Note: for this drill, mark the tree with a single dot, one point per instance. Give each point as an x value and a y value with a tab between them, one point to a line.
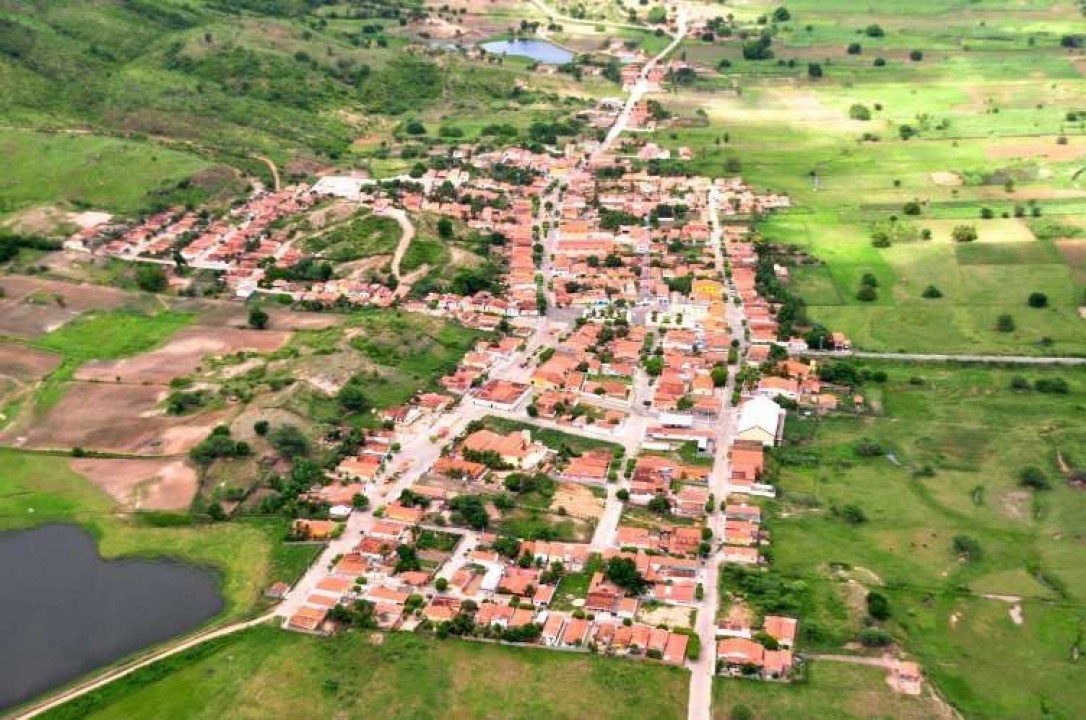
911	208
360	501
781	14
260	427
878	606
660	505
445	228
441	585
151	278
869	279
916	55
854	48
1005	323
352	398
814	70
414	127
656	15
1037	300
258	319
874	30
215	512
1033	477
622	571
963	233
407	559
931	292
289	441
719	374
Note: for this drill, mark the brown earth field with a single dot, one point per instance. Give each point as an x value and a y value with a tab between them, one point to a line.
115	417
26	364
142	484
35	306
223	313
1074	251
578	501
182	354
1034	148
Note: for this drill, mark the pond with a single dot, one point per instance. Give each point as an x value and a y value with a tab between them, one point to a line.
538	50
65	611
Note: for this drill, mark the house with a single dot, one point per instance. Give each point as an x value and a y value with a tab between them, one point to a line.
401	513
590	467
675	649
515	449
690	502
775	387
501	394
313	529
308	619
762	420
603	595
781	629
552	629
574	633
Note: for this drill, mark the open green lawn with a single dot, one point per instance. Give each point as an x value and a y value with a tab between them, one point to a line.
832	690
953	443
554	439
88	171
37	488
266	672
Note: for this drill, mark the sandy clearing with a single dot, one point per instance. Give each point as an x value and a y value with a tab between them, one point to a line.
578	501
182	354
670	615
142	484
946	179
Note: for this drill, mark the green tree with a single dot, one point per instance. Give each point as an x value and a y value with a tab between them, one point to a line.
258	319
445	228
963	233
1037	300
622	571
151	278
878	606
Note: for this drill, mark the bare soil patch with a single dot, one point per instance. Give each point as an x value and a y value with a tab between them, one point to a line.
142	484
182	354
116	418
1031	148
578	501
26	364
35	306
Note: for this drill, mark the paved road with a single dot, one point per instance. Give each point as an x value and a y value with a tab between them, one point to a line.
125	670
703	670
926	357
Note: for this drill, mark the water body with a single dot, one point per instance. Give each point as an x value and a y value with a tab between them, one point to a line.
538	50
64	611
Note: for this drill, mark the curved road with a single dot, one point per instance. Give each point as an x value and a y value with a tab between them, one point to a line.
408	228
125	670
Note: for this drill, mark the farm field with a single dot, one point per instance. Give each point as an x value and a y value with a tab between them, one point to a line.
958	131
265	671
923	501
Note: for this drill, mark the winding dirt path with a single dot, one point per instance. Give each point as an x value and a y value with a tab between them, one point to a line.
271	166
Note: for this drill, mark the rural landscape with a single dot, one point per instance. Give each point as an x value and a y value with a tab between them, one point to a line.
718	360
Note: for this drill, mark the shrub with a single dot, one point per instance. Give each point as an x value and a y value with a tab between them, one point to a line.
869	279
1037	300
931	292
1005	323
859	112
1019	383
963	233
874	30
1033	477
867	293
879	62
878	606
866	447
854	48
874	637
966	547
916	55
1053	386
911	208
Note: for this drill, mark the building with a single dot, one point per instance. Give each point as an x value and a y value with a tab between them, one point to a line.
762	420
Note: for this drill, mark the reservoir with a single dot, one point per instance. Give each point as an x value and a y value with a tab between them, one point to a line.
64	611
538	50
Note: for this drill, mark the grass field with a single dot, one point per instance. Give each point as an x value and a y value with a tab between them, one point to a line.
103	336
953	442
554	439
987	135
75	170
363	236
36	489
265	672
832	690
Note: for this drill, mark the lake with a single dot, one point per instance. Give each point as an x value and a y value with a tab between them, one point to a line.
538	50
64	611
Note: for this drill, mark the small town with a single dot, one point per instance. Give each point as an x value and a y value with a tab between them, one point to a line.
581	390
